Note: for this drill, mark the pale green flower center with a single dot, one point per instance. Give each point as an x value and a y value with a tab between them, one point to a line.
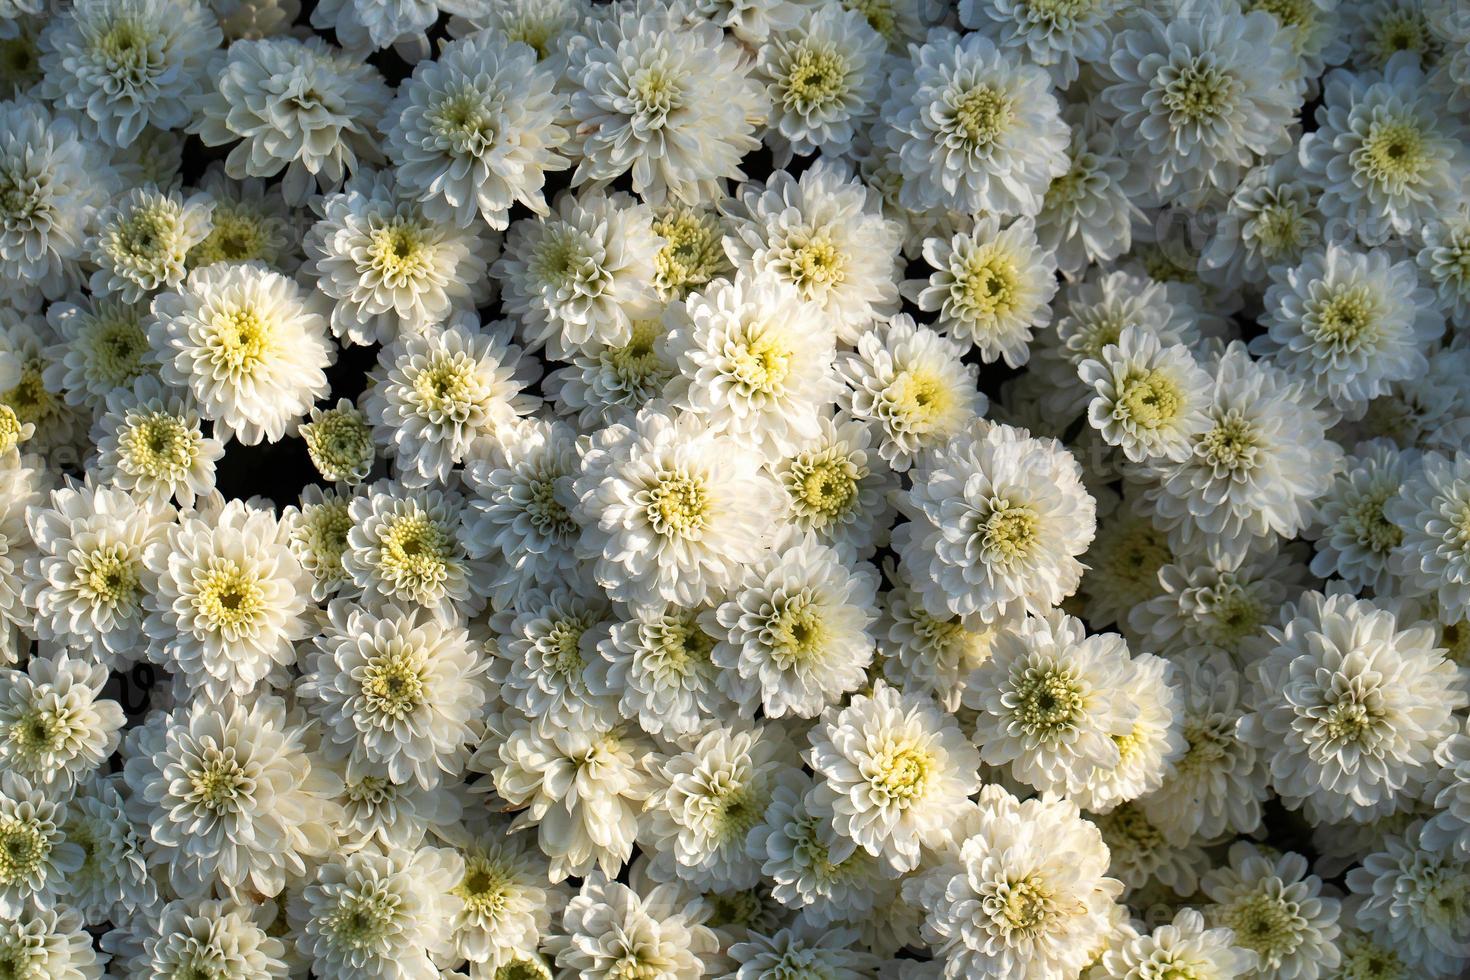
29	399
1098	329
816	76
1280	228
813	263
373	790
740	807
1199	93
680	643
1363	959
464	120
239	341
981	116
678	505
219	781
1149	399
1128	824
125	45
1348	320
797	631
108	576
446	388
1394	153
521	969
145	236
1235	615
636	365
1269	926
1021	907
237	235
1402	28
362	921
323	530
40	732
692	253
228	598
901	773
1231	445
1047	701
1009	531
415	548
561	259
116	346
399	252
986	284
1209	743
340	443
23	850
486	888
950	639
1348	721
156	445
655	93
1368	525
564	642
548	515
823	486
880	14
761	364
393	683
20	63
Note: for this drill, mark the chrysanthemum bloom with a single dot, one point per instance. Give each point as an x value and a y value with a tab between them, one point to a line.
476	129
406	546
37	856
249	344
693	252
1150	399
380	916
802	948
1276	910
892	771
51	944
390	269
910	386
507	904
1269	223
539	24
709	798
318	534
796	630
363	26
1348	708
990	286
671	511
102	346
1060	37
298	106
1348	323
55	184
581	276
1148	751
1444	263
974	130
1141	857
822	79
150	442
1182	948
611	931
581	788
436	392
230	798
55	726
1433	512
753	361
838	489
825	236
1052	704
339	441
1386	155
1255	473
398	694
87	580
223	939
28	343
142	240
998	520
126	64
672	102
605	384
925	652
113	881
251	222
546	642
22	485
1449	829
1355	540
229	602
1024	895
1414	900
656	662
1086	215
1122	569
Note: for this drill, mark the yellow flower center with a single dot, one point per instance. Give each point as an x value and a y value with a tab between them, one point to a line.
985	286
415	549
116	346
1199	93
761	364
398	252
239	342
815	265
12	433
797	631
692	253
677	505
108	577
393	683
1023	907
236	236
1394	153
1348	320
1009	531
921	399
156	445
901	774
23	848
816	77
219	781
1047	701
981	116
823	487
1269	926
1149	399
227	598
1231	445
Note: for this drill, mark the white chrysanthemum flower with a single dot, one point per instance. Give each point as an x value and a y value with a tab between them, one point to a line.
339	441
150	442
837	489
142	241
55	185
88	580
1053	704
249	344
30	403
507	904
672	102
832	954
408	547
1449	829
991	287
924	652
23	482
693	252
391	270
824	235
127	64
318	536
1269	223
380	916
542	25
612	932
546	644
581	788
822	79
398	694
708	799
910	386
998	520
436	392
670	510
656	662
973	129
1142	857
55	726
606	384
1348	708
1355	540
49	944
230	798
1148	751
1058	36
1316	30
113	882
1433	512
298	106
1182	948
1199	97
1086	215
797	630
230	600
892	770
1122	569
1347	323
1218	785
219	939
35	856
251	222
1414	900
377	813
753	361
1024	895
363	26
1277	911
1255	473
102	347
1385	154
1444	262
583	275
1150	399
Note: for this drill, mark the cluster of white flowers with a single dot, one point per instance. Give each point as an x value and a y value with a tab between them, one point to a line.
793	489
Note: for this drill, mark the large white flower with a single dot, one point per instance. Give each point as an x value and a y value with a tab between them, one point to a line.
612	932
1183	948
822	78
113	881
1277	911
507	904
248	343
102	348
606	383
997	521
222	939
816	951
1433	512
1415	900
50	944
1058	36
230	600
55	726
545	645
1270	222
837	490
893	770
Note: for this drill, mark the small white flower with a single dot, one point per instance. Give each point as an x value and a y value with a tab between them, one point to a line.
1086	215
55	727
837	489
1270	222
50	944
804	948
1355	539
113	882
1277	911
222	938
1414	900
318	534
151	443
612	932
546	643
507	904
102	348
35	856
822	78
1444	262
1059	36
1150	400
607	383
656	662
1181	948
142	241
339	441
